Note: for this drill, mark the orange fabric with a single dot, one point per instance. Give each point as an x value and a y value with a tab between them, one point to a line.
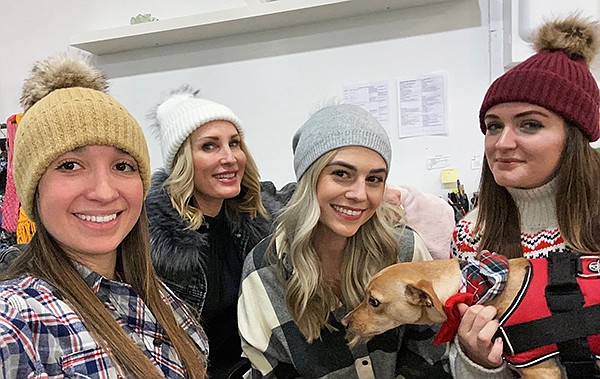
25	228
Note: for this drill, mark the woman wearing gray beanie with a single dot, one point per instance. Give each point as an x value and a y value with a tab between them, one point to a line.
334	234
207	208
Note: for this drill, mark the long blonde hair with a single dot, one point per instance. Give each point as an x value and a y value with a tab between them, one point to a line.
45	259
577	196
373	247
180	187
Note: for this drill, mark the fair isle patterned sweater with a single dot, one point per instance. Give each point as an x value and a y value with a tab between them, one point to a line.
539	236
539	226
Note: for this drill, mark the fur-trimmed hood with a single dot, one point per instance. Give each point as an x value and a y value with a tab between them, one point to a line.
179	254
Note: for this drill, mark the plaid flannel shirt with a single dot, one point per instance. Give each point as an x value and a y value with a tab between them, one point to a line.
276	347
42	337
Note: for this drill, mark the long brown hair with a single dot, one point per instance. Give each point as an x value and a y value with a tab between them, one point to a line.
577	199
45	259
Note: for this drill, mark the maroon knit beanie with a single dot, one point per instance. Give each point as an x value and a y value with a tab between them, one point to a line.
557	77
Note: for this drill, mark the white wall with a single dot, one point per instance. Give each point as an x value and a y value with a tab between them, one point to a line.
32	30
274	80
523	17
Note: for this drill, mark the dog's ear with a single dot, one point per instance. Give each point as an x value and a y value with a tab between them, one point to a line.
422	293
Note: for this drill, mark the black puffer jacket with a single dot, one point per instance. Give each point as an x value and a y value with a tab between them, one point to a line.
179	253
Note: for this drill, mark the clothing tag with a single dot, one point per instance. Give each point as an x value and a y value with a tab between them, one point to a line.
589	266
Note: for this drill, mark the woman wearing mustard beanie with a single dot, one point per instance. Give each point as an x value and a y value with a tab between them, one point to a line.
83	300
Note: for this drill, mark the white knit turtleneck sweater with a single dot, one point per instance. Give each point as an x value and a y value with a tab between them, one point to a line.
539	226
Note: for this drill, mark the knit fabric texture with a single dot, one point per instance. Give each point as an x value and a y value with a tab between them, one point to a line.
181	114
552	80
540	233
334	127
66	119
25	228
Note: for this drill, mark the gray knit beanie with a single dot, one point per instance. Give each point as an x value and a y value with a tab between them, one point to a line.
338	126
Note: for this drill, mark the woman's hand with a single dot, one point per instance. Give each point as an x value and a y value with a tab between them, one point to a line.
475	332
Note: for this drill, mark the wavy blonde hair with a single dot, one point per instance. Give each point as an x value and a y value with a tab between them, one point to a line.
180	187
45	259
373	247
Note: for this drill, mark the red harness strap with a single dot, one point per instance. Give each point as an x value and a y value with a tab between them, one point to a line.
530	304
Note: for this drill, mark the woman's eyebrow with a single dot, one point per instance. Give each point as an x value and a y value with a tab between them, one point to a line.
343	164
353	168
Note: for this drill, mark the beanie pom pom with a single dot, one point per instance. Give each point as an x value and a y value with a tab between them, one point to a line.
63	71
180	114
578	37
155	114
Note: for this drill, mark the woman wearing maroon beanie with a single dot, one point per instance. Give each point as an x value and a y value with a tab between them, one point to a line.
539	191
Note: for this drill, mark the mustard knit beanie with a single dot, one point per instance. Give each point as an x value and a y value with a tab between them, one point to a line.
65	108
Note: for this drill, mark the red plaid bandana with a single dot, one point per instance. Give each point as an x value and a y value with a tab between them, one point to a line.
483	279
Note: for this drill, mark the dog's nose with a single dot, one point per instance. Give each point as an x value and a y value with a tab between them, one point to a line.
346	321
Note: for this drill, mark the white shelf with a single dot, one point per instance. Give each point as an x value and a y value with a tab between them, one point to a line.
235	21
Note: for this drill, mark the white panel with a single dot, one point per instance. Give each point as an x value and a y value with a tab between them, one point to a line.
521	17
232	21
533	13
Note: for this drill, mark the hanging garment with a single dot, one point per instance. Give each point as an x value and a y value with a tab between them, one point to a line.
25	228
10	207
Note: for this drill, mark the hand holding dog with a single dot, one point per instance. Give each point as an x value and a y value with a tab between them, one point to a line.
475	333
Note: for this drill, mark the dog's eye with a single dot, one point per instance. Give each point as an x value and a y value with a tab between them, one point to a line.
374	302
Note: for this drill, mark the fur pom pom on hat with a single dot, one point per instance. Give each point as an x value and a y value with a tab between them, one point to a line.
66	108
180	114
338	126
557	77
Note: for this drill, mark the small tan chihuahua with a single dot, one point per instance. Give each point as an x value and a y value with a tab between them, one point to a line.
415	292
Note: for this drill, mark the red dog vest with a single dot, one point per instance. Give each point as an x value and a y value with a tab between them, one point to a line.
530	304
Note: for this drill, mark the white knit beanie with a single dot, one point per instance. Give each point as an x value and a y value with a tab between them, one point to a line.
182	113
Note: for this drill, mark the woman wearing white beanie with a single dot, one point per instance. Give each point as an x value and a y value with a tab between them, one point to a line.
207	209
